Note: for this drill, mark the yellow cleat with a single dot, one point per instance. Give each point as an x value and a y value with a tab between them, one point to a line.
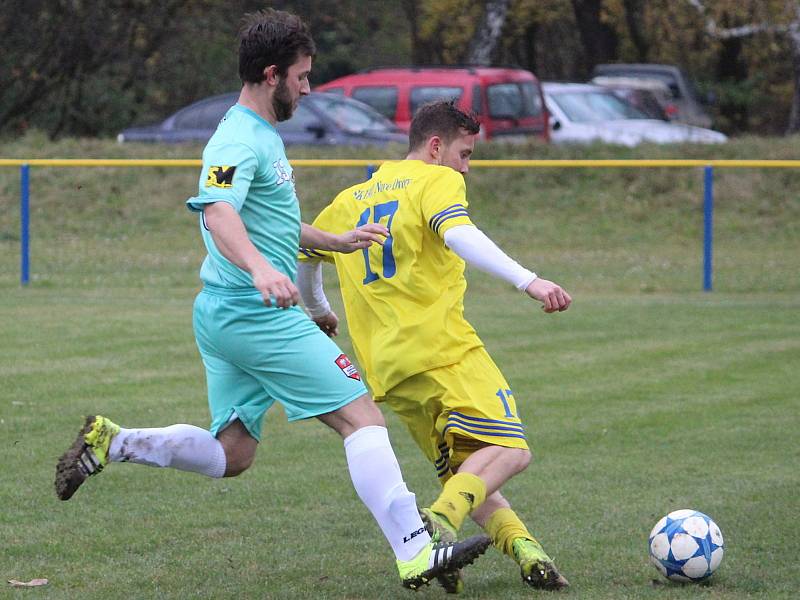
87	455
537	569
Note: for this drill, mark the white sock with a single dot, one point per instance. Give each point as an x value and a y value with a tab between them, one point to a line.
379	483
183	447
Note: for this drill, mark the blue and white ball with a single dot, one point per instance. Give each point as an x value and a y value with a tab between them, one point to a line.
686	545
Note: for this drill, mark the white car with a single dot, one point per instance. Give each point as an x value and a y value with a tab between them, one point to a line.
584	113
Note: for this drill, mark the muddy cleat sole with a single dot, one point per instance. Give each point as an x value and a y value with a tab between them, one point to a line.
87	456
439	557
536	568
441	530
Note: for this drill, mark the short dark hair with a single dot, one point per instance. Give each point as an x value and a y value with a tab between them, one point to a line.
441	118
271	37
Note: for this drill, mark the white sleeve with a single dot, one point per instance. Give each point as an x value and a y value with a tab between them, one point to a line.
309	283
477	250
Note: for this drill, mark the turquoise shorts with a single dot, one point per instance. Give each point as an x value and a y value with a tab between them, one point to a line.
255	355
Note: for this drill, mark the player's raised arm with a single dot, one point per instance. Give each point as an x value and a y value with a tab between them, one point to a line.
477	250
350	241
309	270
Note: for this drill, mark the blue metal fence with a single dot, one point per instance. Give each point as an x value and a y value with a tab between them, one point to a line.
708	185
24	225
708	227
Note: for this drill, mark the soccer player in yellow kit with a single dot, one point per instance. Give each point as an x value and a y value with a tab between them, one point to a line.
404	307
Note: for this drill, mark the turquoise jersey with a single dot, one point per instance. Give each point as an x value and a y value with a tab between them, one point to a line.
245	165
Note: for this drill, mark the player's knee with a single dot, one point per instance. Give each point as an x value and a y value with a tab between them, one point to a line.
240	448
361	412
234	470
520	457
237	462
371	414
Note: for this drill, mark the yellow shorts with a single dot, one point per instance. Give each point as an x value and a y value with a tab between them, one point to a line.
454	410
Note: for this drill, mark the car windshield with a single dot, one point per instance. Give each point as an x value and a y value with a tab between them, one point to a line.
422	94
592	106
667	78
513	100
643	100
351	116
381	98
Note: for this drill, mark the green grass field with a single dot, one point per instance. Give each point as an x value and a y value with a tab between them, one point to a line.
648	395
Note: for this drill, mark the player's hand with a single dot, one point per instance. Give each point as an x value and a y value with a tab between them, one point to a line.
360	238
329	324
275	285
551	295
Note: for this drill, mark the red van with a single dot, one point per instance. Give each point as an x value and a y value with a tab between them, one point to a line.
508	102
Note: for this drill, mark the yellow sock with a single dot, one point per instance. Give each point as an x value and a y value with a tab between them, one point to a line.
504	526
462	493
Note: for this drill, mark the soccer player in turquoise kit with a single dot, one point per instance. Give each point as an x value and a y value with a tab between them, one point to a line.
257	345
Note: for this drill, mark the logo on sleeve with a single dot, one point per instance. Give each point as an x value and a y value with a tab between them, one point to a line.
347	367
221	177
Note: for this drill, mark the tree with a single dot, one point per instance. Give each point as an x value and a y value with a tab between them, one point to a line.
634	17
484	40
541	35
598	37
790	30
425	32
794	37
81	67
56	72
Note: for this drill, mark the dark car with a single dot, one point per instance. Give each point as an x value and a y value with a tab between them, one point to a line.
651	96
320	119
687	103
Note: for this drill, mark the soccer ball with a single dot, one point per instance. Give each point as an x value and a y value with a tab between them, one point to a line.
686	545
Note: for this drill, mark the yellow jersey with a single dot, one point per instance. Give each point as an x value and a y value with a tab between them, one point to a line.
404	301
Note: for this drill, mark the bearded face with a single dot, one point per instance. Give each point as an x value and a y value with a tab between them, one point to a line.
290	87
282	102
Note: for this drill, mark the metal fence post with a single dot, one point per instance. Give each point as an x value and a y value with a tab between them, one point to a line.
708	228
24	224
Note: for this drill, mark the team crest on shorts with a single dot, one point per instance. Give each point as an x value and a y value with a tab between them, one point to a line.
347	367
